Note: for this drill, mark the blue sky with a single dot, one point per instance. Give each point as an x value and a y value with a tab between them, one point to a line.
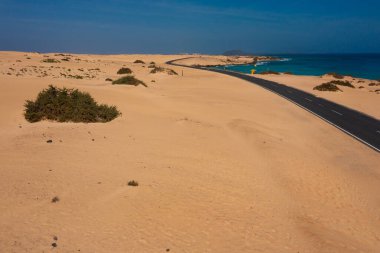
168	26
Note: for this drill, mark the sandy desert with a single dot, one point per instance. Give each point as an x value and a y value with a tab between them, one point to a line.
222	165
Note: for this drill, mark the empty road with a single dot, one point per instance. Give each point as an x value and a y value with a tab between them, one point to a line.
360	126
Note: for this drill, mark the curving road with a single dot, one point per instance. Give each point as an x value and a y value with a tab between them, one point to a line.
360	126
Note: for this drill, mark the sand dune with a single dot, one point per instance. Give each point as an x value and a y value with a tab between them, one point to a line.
364	97
222	166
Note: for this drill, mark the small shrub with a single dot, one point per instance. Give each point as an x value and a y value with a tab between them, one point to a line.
124	71
336	75
55	199
327	87
139	61
161	69
68	105
75	77
50	60
288	73
152	63
361	87
374	84
129	80
109	80
342	83
133	183
270	72
65	59
171	72
157	69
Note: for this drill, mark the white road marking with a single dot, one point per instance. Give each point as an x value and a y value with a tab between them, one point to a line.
328	121
319	116
308	99
337	112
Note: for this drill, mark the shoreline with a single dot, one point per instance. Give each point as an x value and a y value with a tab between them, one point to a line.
363	97
222	165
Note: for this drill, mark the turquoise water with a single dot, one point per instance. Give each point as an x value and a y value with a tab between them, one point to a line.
357	65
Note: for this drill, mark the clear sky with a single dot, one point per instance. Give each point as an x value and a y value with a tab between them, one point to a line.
193	26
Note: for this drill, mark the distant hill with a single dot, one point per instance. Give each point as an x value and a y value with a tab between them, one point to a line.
236	53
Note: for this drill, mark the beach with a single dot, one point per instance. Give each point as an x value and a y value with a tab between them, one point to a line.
222	165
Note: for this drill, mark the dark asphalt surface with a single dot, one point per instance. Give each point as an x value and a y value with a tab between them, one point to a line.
360	126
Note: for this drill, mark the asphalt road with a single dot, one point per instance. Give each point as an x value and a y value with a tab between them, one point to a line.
360	126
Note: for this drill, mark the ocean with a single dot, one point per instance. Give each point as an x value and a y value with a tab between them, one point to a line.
357	65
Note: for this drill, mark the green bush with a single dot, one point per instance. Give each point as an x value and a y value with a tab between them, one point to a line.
124	71
342	83
129	80
327	87
336	75
75	76
139	61
161	69
50	60
157	69
68	105
133	183
171	72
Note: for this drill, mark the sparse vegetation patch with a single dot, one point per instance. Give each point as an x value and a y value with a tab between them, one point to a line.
139	61
327	87
342	83
133	183
68	105
124	71
336	75
129	80
72	76
161	70
50	60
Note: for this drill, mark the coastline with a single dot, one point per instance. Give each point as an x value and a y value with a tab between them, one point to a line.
363	97
222	165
